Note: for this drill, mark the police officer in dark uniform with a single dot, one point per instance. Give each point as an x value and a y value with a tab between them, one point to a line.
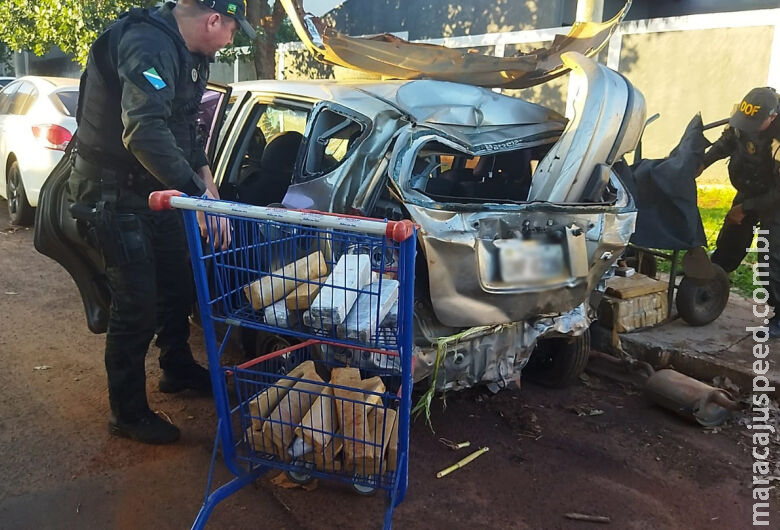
752	143
138	105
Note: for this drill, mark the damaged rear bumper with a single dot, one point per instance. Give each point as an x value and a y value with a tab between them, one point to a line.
492	355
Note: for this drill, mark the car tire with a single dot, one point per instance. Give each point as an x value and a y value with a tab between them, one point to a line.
558	362
699	302
255	342
19	209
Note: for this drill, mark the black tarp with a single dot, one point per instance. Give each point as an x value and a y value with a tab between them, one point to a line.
665	194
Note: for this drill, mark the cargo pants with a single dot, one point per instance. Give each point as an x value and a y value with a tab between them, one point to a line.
150	281
735	240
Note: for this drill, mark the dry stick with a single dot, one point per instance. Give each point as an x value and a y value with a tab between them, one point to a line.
462	463
588	518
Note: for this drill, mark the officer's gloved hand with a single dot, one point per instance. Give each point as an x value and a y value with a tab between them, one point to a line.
217	226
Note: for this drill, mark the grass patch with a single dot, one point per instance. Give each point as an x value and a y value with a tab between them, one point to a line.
714	203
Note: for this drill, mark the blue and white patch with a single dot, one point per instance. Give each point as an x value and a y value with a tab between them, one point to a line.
154	79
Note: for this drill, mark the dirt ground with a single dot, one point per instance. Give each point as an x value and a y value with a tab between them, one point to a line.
59	468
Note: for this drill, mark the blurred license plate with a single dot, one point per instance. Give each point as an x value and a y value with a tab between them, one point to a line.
529	261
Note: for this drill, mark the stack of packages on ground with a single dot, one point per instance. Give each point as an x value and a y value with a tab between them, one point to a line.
342	427
351	302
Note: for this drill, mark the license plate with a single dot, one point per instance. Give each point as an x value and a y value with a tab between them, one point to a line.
528	261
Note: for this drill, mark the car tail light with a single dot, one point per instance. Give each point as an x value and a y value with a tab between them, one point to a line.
54	137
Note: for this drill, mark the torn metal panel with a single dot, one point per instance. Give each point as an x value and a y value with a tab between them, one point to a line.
607	122
396	58
495	355
474	292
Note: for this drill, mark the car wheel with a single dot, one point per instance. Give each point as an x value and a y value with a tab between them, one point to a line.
699	302
255	342
558	362
19	209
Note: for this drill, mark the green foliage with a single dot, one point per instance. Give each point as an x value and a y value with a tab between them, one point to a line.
72	25
285	33
714	204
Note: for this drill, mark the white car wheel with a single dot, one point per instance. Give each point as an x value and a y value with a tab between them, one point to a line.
19	209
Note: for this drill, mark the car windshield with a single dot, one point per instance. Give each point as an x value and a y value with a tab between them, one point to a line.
66	101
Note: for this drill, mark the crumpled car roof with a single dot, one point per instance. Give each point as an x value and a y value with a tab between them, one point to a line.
397	58
472	114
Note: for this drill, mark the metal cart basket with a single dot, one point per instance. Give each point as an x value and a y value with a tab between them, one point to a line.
335	405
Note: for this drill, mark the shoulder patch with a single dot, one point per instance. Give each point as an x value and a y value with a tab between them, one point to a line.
154	79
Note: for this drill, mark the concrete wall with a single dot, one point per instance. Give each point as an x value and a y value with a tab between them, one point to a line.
226	72
54	63
703	63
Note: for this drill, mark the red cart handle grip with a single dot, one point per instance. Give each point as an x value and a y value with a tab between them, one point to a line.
161	200
399	230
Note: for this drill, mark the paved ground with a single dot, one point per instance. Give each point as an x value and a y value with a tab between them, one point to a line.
59	468
721	349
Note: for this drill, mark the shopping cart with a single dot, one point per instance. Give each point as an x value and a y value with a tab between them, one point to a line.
336	405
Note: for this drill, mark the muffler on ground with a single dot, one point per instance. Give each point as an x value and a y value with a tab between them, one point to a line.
691	399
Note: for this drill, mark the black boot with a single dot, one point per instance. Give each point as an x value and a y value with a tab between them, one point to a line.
188	377
150	429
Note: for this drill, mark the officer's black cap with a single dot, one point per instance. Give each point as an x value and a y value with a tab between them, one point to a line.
235	9
754	109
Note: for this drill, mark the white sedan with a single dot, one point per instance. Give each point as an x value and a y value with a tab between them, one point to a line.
37	121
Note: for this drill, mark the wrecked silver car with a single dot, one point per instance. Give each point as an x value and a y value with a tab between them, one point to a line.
520	213
520	210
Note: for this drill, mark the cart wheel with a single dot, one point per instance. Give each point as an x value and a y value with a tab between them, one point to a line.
303	476
699	302
362	489
558	362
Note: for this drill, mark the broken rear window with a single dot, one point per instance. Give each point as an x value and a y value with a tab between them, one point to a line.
445	174
333	138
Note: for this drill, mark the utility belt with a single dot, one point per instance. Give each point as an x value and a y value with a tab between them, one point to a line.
114	181
117	234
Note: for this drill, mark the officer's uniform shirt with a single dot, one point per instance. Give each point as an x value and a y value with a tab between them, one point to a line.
753	163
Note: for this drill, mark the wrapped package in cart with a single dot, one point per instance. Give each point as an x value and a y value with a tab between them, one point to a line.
301	298
317	441
278	315
279	426
261	405
332	304
380	428
371	308
318	425
392	447
353	408
391	319
277	285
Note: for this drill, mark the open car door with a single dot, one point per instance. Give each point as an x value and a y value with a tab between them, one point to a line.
62	238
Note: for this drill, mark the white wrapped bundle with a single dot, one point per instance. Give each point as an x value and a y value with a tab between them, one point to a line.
337	296
278	315
362	322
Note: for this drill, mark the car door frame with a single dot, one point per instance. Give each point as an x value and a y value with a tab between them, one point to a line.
231	142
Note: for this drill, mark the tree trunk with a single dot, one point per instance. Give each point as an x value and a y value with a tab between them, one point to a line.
267	20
